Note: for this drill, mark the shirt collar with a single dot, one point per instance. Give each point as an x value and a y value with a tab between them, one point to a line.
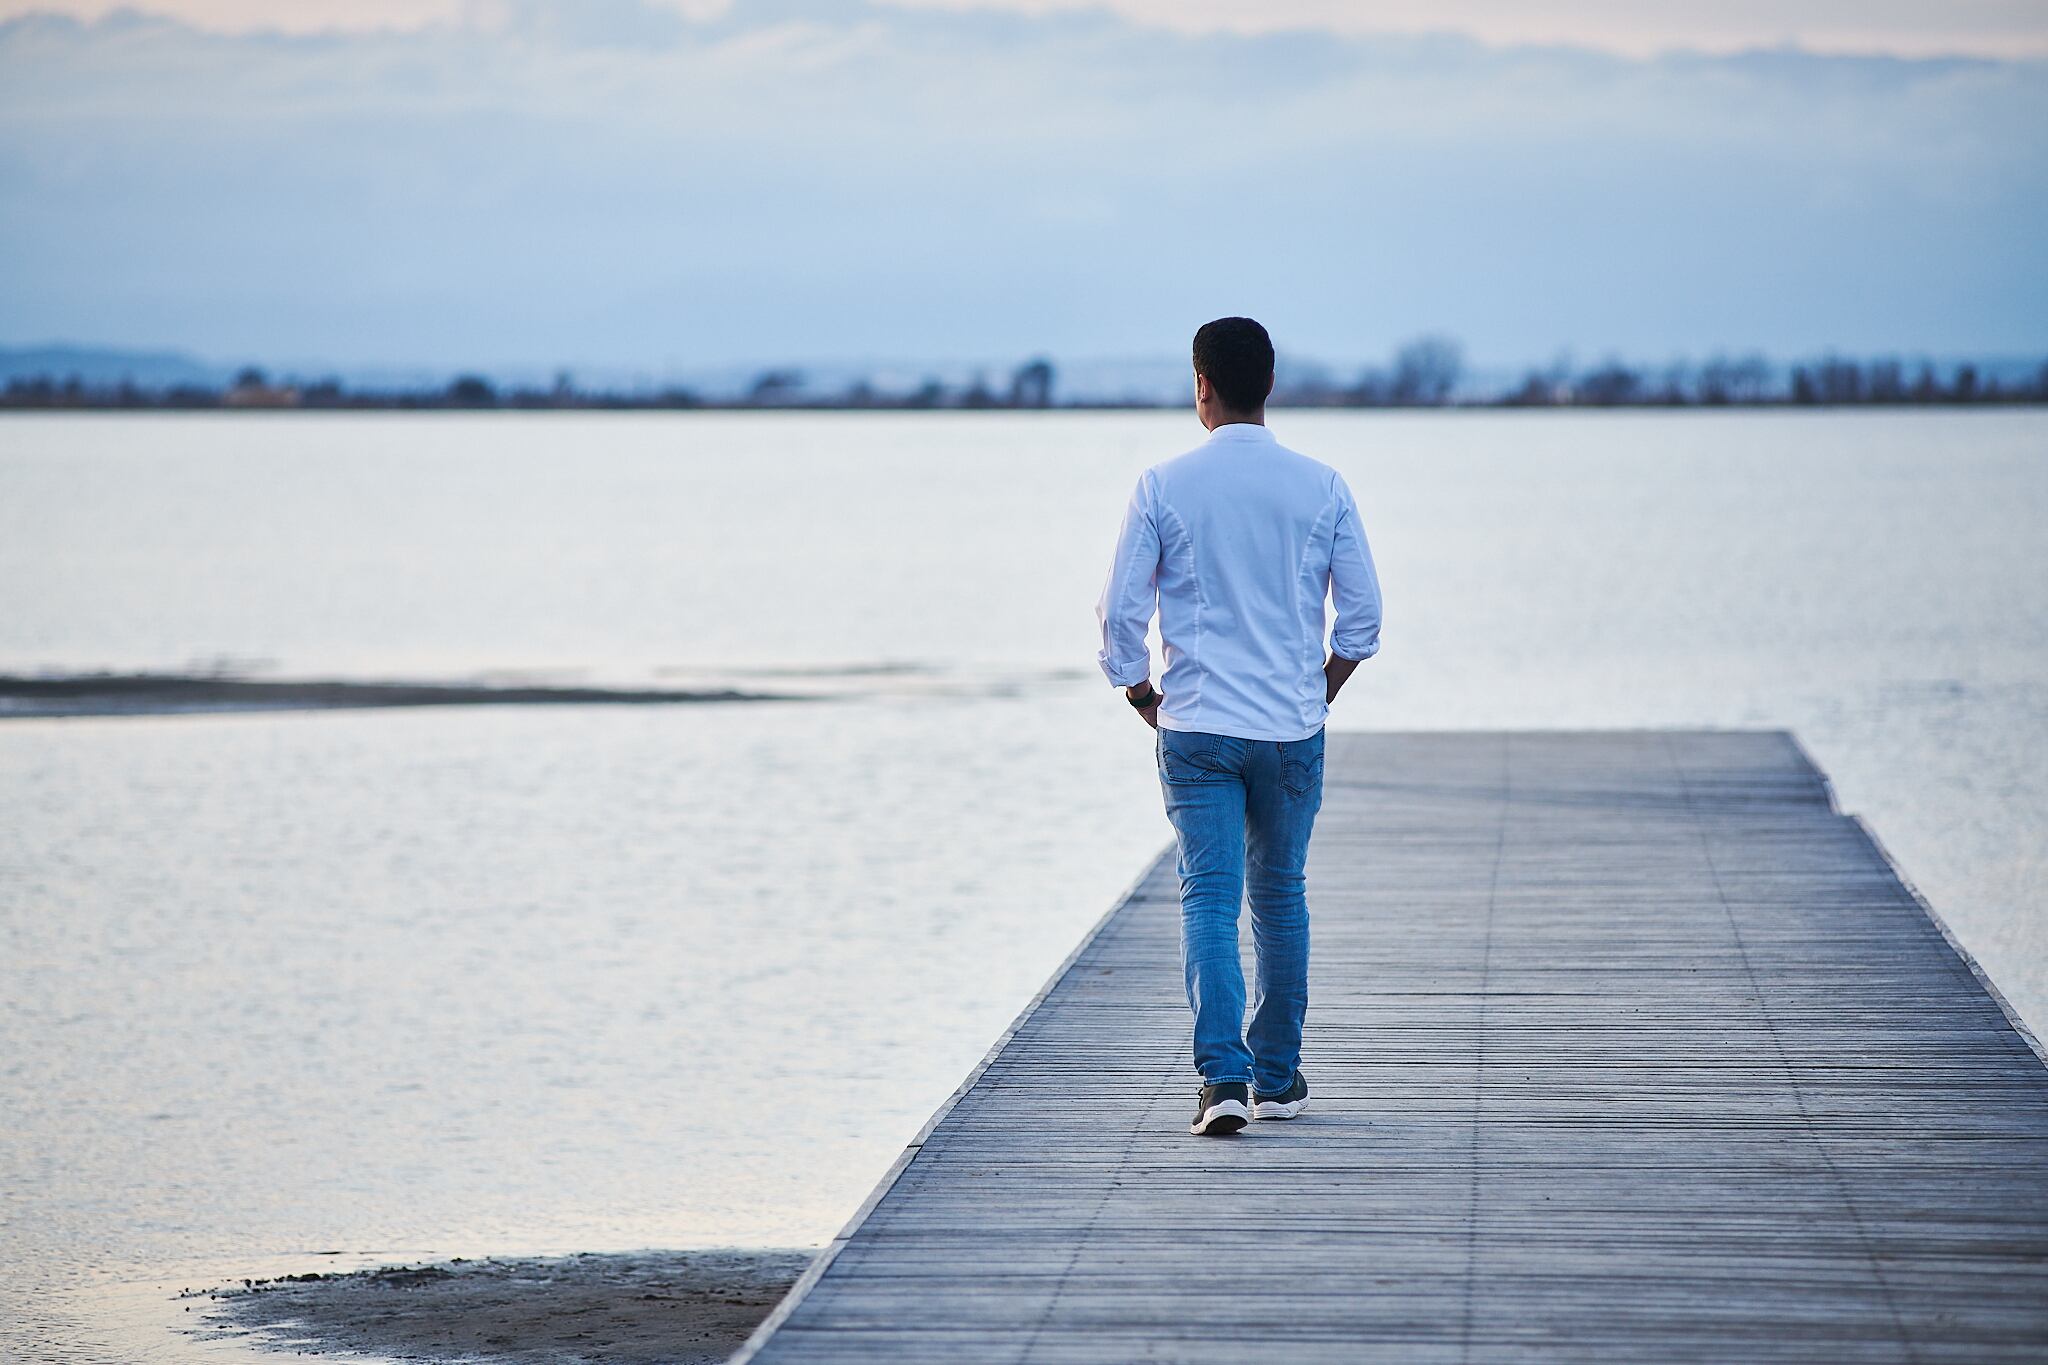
1241	431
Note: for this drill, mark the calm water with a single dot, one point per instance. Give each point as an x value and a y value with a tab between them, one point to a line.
427	983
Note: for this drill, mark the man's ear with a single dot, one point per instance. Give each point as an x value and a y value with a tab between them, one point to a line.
1269	382
1201	387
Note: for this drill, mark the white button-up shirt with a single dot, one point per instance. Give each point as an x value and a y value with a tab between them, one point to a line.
1235	545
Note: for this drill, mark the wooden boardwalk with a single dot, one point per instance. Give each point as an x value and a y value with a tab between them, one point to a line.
1624	1046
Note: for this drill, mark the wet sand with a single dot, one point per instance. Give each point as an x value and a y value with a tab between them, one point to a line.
644	1308
156	694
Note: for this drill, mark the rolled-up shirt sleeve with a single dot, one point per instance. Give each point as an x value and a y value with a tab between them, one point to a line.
1131	595
1354	585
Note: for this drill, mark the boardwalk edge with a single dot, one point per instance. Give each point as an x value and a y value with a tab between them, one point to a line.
2012	1016
816	1271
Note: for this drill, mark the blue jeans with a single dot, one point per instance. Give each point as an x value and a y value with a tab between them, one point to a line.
1243	810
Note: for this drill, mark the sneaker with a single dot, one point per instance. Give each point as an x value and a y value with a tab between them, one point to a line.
1221	1108
1284	1105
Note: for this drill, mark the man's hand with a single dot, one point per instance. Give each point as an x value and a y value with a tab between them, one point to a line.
1336	673
1149	712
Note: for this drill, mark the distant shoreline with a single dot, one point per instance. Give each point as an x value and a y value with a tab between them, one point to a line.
2000	400
1430	372
161	694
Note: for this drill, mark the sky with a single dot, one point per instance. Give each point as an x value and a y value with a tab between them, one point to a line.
666	184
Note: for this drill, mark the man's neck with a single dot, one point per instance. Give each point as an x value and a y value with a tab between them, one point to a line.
1234	419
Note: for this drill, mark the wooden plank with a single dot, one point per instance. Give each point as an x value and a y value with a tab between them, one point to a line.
1624	1046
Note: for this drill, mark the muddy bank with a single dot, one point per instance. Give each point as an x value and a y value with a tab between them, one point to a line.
644	1308
156	694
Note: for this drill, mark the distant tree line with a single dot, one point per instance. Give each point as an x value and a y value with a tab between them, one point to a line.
1832	381
1030	386
1427	372
1430	372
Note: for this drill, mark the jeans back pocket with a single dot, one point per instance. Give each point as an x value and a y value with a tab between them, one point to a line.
1186	759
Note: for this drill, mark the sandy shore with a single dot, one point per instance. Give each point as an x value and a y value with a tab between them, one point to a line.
645	1308
144	694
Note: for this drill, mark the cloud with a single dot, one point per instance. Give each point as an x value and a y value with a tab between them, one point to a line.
811	179
335	16
1906	28
1911	28
244	16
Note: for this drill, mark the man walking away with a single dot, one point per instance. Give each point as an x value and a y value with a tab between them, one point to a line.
1235	545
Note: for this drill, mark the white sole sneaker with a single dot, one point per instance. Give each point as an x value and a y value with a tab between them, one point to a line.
1224	1116
1273	1109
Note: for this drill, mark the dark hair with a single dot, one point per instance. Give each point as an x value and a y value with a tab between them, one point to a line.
1236	356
